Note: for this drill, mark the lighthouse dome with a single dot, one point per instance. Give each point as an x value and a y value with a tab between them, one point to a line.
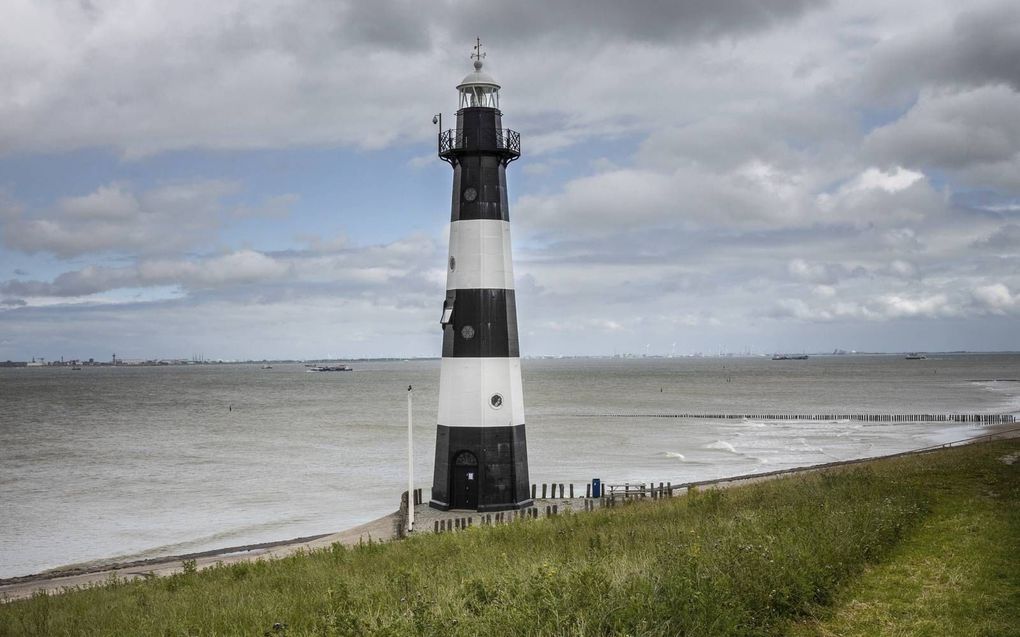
478	88
478	76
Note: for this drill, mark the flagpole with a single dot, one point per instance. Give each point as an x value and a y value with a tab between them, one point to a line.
410	464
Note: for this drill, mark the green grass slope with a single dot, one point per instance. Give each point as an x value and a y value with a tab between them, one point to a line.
957	574
756	560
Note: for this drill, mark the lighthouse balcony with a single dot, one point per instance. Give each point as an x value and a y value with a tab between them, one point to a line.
500	141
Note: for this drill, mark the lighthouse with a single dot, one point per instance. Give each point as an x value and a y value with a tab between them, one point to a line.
481	449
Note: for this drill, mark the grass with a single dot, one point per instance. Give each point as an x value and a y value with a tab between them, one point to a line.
823	553
958	574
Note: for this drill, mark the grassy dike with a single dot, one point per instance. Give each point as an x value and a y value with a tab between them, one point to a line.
872	549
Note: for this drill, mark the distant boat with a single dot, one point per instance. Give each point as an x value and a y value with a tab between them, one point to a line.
76	369
330	368
916	356
267	367
786	357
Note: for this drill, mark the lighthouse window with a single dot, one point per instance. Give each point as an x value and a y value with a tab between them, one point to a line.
447	313
453	264
467	332
470	194
496	401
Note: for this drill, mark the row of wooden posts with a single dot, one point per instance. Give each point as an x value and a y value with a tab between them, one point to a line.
485	519
531	513
504	517
986	419
665	489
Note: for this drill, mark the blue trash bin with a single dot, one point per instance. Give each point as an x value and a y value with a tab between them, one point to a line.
596	488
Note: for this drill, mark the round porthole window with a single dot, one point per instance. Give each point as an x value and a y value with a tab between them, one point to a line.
470	194
467	332
496	401
453	264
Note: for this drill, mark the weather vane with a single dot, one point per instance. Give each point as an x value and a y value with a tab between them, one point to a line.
478	55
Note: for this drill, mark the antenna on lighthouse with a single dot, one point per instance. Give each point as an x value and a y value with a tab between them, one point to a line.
478	55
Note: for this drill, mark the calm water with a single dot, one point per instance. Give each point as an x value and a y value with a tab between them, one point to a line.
125	462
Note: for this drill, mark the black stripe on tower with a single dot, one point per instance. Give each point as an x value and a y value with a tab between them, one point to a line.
483	324
502	453
479	189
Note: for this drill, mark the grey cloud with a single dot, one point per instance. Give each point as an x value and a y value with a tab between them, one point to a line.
13	302
622	198
815	272
114	219
975	134
1006	238
236	268
996	298
975	48
271	73
399	266
642	20
83	282
276	207
883	308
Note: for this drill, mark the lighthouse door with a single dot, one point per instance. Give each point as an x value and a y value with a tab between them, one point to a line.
465	481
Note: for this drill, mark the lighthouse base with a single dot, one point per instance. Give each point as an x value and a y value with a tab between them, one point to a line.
481	469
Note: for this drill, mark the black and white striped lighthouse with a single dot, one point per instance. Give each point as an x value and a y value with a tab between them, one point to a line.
481	452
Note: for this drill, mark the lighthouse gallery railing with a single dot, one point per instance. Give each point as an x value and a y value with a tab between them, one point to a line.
502	139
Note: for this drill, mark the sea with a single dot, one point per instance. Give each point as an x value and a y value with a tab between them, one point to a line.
121	463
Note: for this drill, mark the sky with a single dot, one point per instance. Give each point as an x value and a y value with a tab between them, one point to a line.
258	179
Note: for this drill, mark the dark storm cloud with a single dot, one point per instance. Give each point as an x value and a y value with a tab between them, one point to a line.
978	47
641	20
234	74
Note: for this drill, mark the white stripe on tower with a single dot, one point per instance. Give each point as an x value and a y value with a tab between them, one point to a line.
465	388
480	255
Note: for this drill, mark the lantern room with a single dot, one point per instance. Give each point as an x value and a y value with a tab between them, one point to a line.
478	89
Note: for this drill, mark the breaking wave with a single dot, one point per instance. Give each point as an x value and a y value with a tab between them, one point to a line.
722	445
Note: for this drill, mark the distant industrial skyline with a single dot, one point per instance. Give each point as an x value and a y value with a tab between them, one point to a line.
258	179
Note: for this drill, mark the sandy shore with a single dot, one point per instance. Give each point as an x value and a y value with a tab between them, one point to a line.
59	579
381	529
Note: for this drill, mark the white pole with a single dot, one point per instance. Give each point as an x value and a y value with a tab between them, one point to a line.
410	464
